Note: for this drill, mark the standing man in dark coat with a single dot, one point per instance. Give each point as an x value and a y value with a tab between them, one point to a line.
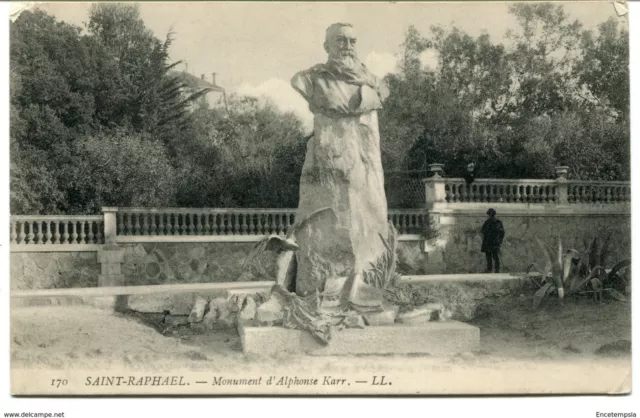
492	236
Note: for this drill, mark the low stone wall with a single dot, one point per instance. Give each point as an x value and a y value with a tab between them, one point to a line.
48	270
460	241
193	262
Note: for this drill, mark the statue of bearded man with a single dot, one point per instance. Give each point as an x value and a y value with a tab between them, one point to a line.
342	168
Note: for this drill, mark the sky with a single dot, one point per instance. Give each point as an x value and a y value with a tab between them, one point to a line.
255	48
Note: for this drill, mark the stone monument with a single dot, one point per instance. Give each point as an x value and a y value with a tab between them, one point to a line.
346	300
342	169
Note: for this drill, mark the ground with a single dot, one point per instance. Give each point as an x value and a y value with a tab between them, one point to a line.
578	346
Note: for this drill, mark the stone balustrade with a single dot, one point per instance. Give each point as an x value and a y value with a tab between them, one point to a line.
607	192
409	221
455	193
501	191
57	230
199	222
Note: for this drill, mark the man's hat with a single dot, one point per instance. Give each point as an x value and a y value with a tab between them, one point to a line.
491	211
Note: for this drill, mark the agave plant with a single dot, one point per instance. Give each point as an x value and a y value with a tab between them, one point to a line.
384	272
570	272
559	272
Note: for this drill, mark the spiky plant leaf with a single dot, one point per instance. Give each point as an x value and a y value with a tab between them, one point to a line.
617	295
542	293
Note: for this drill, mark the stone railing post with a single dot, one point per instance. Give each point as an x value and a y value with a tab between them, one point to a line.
110	224
111	257
434	187
563	184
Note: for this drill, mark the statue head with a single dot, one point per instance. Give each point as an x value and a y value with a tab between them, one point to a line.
340	43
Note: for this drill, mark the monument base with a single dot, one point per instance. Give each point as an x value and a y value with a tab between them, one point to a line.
434	338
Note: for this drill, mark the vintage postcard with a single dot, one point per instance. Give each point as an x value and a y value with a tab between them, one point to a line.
298	198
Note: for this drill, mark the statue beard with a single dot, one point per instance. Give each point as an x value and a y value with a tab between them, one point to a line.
347	61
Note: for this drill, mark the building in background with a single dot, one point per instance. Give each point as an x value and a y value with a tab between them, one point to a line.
215	98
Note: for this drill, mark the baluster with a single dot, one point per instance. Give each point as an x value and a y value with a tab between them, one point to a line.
231	223
243	223
63	231
90	234
250	225
464	191
13	236
258	230
607	194
129	224
280	224
225	224
136	226
271	226
144	224
171	222
286	224
214	227
39	234
99	227
22	235
192	220
120	218
81	232
31	235
74	233
153	220
160	227
183	228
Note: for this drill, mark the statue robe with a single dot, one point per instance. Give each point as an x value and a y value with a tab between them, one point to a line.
342	170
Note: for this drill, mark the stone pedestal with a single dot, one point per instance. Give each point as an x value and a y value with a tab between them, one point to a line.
434	338
111	257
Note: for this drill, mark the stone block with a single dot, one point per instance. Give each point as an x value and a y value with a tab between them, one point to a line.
106	280
110	268
110	303
386	317
108	254
434	338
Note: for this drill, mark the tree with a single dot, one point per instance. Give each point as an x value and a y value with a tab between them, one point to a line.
155	101
70	90
117	169
250	157
603	67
